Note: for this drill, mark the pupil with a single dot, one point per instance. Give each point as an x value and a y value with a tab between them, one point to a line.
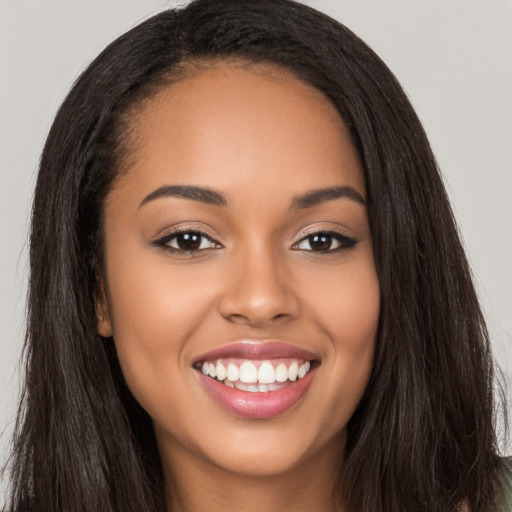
320	242
189	241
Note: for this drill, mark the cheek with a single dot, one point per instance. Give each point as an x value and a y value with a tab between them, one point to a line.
347	304
348	308
152	301
154	312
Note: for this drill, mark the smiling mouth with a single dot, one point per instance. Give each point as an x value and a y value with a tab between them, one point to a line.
257	380
256	376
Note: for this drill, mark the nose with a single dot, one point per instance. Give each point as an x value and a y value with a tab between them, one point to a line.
260	290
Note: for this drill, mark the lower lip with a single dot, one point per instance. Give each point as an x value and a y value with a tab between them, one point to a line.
257	405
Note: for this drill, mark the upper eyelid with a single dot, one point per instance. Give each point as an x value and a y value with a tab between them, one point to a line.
164	241
342	238
328	231
169	233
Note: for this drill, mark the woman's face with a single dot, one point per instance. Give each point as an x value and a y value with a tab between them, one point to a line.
237	242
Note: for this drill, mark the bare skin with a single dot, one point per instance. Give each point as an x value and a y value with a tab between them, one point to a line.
260	139
199	486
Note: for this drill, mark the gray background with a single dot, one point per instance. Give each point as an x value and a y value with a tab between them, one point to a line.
453	57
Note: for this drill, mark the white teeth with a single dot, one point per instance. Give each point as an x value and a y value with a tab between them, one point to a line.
265	378
252	388
233	373
266	373
261	388
281	373
248	372
293	371
221	371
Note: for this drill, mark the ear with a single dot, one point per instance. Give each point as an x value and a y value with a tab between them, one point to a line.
103	321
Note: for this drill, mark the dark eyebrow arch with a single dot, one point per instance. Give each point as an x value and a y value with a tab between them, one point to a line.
203	195
321	195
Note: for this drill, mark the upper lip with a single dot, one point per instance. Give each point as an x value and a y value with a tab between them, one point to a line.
250	349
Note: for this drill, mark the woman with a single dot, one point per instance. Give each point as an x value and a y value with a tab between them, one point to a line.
247	288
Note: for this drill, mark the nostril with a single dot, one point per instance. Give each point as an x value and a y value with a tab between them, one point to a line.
258	302
257	320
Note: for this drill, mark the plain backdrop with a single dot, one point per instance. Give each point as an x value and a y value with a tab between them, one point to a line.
453	57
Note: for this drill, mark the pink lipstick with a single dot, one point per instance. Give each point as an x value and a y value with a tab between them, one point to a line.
257	379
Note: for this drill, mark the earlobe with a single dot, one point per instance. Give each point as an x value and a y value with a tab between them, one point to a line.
104	326
103	322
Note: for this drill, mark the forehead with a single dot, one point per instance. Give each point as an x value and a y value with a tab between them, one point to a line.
236	122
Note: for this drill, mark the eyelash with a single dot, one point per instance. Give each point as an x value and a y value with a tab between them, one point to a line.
345	242
166	239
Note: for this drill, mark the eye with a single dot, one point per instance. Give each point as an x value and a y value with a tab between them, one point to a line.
186	241
328	241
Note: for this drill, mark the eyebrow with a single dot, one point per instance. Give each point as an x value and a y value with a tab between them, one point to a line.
209	196
203	195
322	195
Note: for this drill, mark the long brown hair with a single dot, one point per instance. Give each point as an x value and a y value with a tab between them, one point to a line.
422	437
